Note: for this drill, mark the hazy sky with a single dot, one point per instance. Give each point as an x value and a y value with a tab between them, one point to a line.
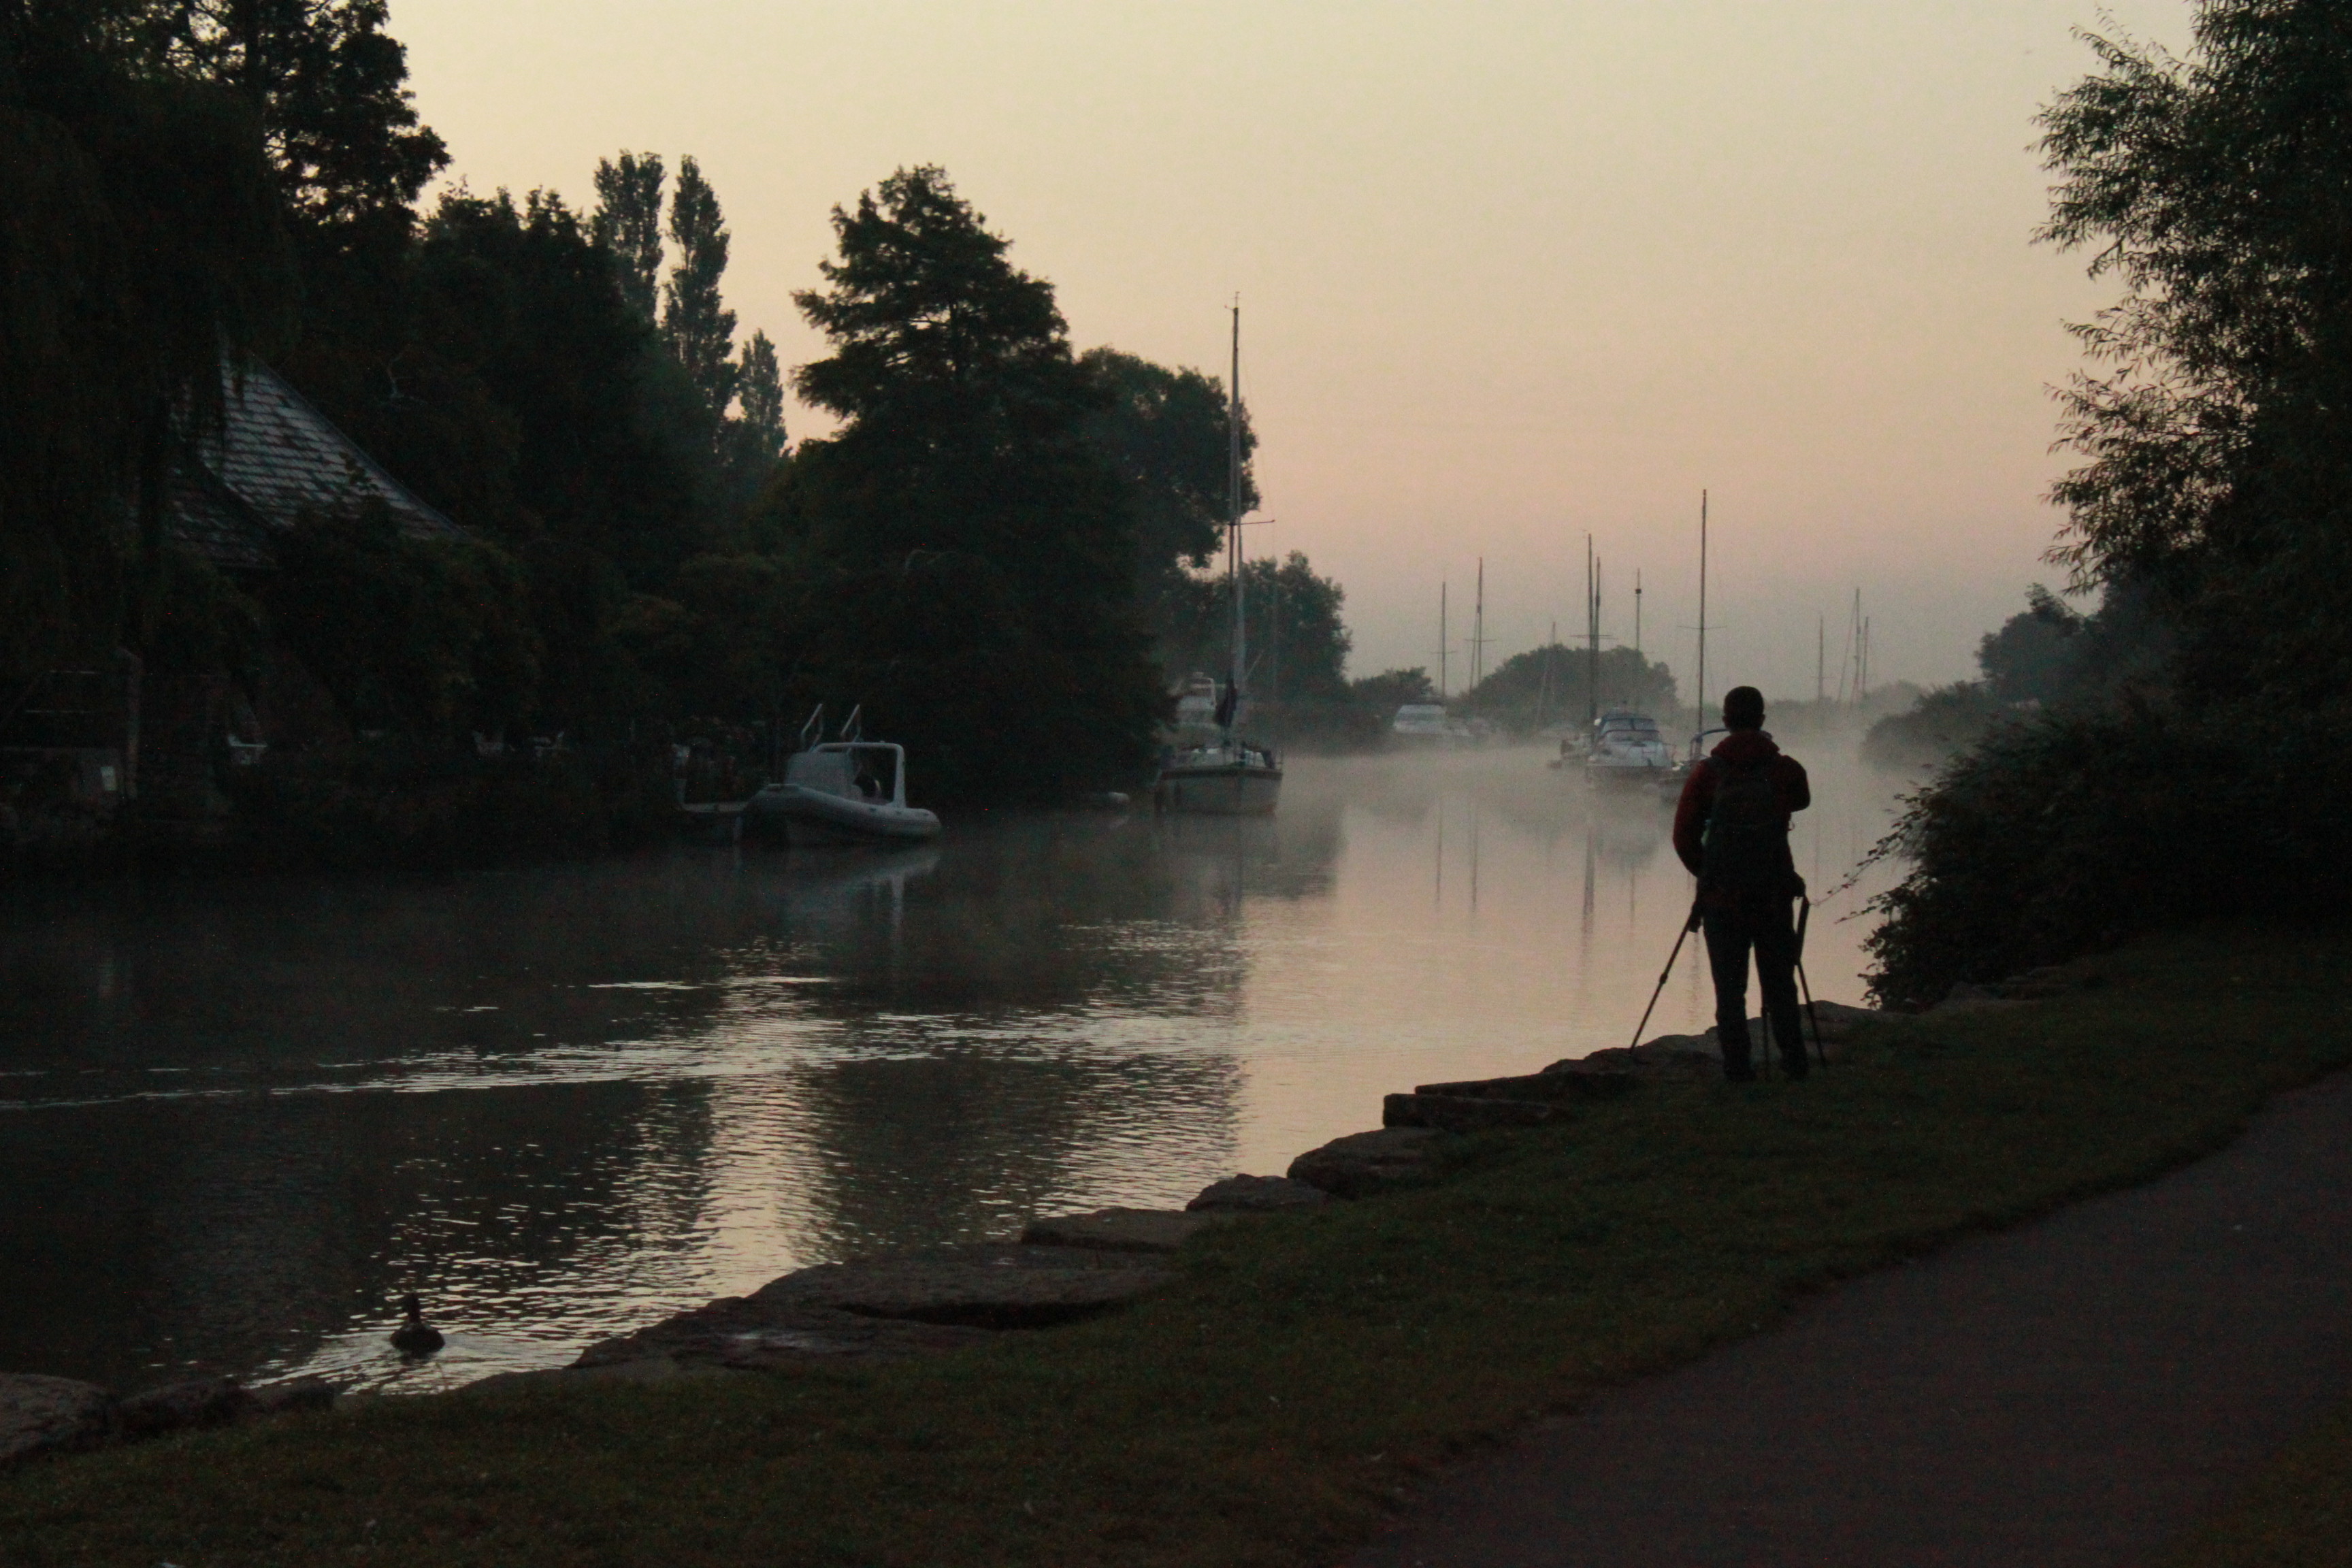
1510	272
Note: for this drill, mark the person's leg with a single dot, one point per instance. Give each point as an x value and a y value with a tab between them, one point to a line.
1775	930
1727	956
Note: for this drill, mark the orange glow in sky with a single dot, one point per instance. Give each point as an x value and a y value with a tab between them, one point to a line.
1510	272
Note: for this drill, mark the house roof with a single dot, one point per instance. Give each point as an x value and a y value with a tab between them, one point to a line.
274	460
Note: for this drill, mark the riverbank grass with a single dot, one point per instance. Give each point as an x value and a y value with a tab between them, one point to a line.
2297	1514
1283	1397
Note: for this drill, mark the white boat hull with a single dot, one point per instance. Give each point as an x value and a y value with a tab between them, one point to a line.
813	817
1227	789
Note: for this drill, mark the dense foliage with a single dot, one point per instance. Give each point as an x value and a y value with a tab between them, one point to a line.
1559	685
996	553
139	232
2166	775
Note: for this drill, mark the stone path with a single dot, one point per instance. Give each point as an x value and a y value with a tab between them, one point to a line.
2075	1392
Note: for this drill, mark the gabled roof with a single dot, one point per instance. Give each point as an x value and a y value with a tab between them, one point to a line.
274	460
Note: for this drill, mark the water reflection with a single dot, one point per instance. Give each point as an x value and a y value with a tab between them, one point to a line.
238	1119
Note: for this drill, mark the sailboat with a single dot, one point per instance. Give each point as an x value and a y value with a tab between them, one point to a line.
1226	775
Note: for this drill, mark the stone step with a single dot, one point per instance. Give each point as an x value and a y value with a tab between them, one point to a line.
1363	1164
1576	1082
739	1333
1258	1194
1119	1230
1466	1113
984	1287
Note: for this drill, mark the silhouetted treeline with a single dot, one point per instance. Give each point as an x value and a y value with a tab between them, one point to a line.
2186	727
995	554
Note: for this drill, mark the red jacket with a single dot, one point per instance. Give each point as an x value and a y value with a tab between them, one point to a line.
1740	747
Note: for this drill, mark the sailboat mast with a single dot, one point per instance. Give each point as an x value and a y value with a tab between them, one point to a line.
1233	507
1478	630
1592	634
1702	611
1441	642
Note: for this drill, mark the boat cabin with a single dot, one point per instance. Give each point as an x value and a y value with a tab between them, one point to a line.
871	771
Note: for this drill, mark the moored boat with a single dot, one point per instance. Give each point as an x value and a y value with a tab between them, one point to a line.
1221	773
849	791
1627	750
1225	778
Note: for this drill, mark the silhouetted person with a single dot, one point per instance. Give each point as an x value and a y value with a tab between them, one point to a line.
1731	829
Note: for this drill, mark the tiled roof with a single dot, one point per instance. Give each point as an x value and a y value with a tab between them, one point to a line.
275	460
206	520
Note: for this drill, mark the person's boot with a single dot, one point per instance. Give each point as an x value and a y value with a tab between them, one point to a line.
1792	1041
1738	1064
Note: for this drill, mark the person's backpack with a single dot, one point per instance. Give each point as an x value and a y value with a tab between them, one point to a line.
1745	847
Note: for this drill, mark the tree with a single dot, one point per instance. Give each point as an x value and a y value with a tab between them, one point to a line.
931	328
1298	644
141	234
2218	436
2213	503
760	389
977	553
752	442
2029	658
1561	684
1164	431
329	87
699	331
1391	690
610	449
628	223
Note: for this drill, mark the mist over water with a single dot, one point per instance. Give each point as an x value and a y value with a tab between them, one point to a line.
238	1119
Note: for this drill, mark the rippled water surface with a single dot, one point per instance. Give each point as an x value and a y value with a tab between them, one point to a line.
238	1118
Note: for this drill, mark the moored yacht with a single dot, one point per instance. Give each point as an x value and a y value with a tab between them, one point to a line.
1627	749
1220	772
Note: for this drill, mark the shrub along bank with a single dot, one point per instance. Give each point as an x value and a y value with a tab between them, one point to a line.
1284	1396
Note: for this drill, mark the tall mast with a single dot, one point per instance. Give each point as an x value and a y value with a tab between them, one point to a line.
1637	612
1543	692
1591	633
1234	509
1441	642
1478	630
1702	611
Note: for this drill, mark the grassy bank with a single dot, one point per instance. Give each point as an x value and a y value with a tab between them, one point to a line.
1285	1396
2299	1514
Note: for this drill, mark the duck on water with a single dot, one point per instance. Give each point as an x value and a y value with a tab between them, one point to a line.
416	1336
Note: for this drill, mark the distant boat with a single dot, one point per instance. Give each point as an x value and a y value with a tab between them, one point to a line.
1627	750
849	791
1224	775
1427	724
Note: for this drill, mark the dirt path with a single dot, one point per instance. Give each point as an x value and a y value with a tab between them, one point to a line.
2075	1392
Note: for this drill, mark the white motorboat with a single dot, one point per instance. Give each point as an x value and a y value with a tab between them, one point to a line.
1627	750
850	791
1424	724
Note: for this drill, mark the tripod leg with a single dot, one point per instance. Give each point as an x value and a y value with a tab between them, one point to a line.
1680	937
1804	916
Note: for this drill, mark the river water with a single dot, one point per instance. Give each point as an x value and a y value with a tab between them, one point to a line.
239	1118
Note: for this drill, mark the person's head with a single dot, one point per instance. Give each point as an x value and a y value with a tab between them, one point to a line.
1743	709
